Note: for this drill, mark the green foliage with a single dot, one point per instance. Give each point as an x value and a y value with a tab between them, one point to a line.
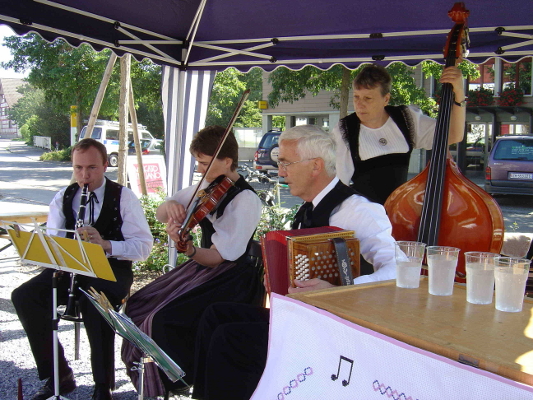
522	71
57	155
275	218
289	86
71	76
469	70
480	97
278	121
227	91
159	256
405	91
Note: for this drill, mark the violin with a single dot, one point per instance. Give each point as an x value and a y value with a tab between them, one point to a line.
206	200
440	206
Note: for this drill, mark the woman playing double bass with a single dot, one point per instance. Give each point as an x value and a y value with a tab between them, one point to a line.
374	144
169	308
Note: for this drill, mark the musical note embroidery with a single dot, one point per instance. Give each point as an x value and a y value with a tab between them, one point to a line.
335	377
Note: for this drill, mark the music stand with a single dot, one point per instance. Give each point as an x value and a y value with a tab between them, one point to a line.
40	248
125	327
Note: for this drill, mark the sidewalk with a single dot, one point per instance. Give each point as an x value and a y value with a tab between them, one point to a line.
19	147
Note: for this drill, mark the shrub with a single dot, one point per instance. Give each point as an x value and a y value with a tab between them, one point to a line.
480	97
57	155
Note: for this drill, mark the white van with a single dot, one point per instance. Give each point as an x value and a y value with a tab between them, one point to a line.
107	133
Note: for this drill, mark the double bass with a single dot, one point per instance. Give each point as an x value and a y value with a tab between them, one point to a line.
440	206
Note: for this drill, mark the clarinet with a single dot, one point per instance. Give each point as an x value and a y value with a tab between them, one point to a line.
71	312
83	205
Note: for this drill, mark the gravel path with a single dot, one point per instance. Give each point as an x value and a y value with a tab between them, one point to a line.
16	360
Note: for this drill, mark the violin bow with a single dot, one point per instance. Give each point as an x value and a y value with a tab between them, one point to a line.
231	122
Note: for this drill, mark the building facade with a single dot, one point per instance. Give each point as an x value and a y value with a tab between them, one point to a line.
8	98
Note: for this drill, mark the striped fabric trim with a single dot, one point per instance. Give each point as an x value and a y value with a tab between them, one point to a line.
185	96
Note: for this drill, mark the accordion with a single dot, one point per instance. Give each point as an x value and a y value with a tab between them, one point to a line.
306	254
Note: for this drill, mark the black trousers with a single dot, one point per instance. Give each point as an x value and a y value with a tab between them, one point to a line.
33	303
231	351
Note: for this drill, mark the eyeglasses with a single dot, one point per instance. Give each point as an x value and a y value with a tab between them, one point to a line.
283	165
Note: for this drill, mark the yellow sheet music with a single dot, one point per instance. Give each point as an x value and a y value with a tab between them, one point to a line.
72	255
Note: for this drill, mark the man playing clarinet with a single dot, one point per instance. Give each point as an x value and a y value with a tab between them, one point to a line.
114	219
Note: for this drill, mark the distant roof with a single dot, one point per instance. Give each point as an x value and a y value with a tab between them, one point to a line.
8	87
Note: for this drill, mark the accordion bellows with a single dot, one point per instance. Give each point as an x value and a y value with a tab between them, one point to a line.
305	254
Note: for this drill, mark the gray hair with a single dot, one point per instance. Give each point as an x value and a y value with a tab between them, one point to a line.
313	142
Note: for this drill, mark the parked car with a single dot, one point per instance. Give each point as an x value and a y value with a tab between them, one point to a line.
266	156
107	133
510	166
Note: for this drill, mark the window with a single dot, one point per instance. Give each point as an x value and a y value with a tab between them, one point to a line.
517	149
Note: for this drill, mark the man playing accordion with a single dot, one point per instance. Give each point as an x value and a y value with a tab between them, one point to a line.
233	338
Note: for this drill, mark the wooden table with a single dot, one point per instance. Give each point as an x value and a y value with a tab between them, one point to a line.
22	217
478	335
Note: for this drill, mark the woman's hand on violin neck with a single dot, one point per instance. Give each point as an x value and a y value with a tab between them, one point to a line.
171	211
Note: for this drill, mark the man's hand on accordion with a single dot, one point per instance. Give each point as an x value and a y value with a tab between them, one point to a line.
311	284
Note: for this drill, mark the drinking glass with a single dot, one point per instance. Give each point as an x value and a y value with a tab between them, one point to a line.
480	276
409	256
511	275
442	261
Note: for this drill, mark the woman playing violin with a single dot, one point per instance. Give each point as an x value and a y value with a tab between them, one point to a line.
169	308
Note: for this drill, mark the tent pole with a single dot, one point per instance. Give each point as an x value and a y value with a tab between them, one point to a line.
138	150
125	67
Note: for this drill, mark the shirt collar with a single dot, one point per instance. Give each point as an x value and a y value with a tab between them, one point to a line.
318	198
99	192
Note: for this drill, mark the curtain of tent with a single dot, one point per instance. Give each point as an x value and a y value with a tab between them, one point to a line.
185	97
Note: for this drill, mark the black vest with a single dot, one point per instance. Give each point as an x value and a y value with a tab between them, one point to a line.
322	213
109	222
378	177
207	227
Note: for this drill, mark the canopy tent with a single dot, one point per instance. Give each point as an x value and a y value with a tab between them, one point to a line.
212	35
195	38
216	34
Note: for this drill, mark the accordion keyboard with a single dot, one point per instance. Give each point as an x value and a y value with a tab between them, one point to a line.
319	261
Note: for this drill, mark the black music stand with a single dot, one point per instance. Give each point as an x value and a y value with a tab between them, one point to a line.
40	248
124	327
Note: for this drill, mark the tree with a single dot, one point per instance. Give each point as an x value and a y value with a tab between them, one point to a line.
37	117
227	91
71	76
290	86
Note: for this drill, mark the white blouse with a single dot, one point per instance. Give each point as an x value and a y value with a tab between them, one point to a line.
235	227
387	139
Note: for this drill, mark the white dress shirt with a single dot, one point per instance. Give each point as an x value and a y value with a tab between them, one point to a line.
138	240
235	227
373	229
370	146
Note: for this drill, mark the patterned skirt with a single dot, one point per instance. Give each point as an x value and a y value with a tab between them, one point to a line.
169	309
